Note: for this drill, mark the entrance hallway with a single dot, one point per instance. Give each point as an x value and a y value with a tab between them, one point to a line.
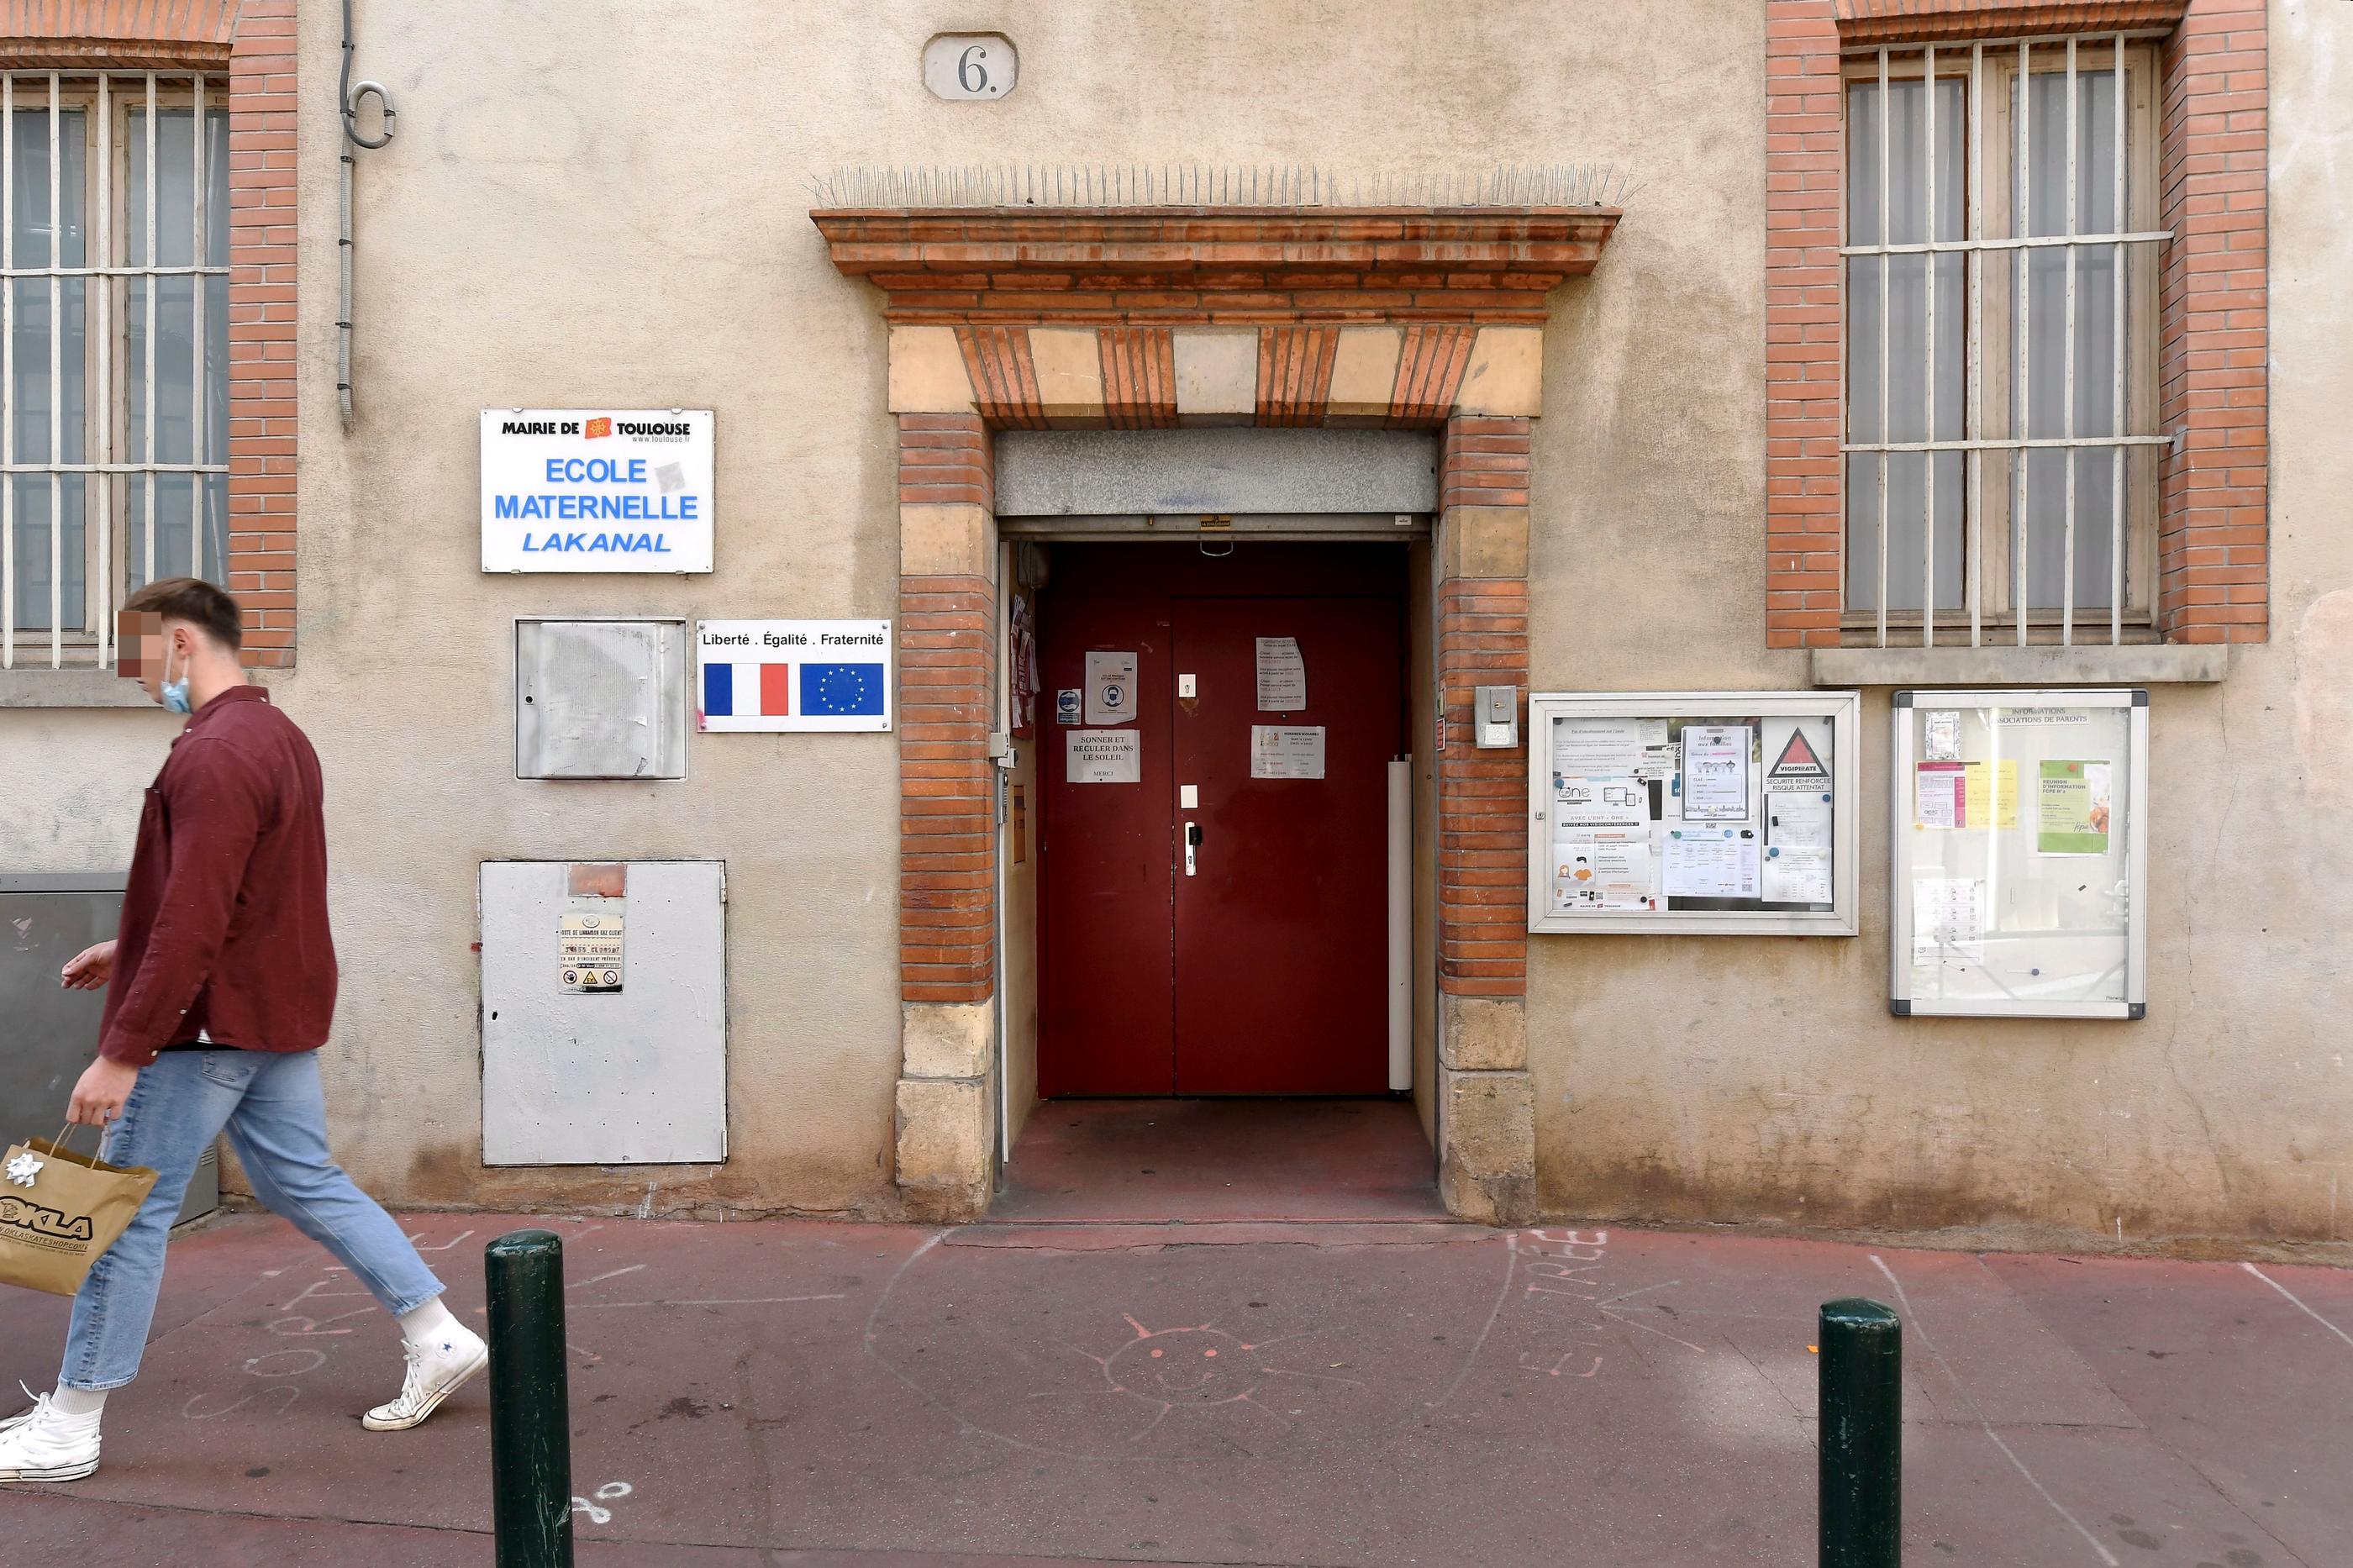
1206	1160
1381	1396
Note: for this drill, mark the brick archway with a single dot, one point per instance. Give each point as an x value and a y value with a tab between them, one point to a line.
1134	318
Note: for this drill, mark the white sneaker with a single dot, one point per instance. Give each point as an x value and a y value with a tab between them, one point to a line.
45	1444
435	1368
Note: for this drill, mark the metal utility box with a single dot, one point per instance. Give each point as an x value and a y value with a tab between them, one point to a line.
600	699
603	1012
52	1032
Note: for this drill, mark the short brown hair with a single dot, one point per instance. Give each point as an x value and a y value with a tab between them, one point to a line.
205	605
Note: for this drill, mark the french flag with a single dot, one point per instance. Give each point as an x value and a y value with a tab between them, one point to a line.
747	690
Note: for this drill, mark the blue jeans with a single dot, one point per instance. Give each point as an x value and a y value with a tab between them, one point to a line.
276	1119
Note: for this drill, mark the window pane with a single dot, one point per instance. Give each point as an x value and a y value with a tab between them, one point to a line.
1863	163
174	496
29	569
33	402
2049	351
191	416
176	182
1906	282
217	175
28	218
2046	528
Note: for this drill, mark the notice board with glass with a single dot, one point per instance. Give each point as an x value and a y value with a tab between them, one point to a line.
2020	852
1702	812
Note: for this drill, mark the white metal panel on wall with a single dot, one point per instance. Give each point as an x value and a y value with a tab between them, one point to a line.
629	1072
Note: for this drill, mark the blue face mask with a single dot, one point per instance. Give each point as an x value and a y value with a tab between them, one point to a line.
175	693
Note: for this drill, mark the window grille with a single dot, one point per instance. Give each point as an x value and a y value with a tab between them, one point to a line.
113	350
1999	339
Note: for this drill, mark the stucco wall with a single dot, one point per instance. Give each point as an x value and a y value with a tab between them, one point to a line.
600	203
1730	1078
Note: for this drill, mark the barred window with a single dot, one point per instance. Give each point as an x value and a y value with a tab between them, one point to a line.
2000	454
113	350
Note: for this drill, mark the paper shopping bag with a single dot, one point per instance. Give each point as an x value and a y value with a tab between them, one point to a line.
59	1211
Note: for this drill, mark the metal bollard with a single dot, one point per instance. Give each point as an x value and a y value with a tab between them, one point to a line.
531	1415
1862	1410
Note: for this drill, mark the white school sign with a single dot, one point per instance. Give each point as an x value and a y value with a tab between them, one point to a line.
570	490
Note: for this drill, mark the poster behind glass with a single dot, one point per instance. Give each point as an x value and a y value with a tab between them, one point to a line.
2018	840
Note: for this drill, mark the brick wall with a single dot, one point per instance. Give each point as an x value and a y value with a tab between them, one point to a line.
161	35
1483	462
1273	265
2213	524
948	826
1801	324
1482	639
261	313
2213	535
251	42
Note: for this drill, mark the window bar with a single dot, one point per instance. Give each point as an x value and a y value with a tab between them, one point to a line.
8	371
1928	459
2116	416
2018	242
1886	232
101	286
2021	219
2067	378
1975	263
57	385
150	254
196	333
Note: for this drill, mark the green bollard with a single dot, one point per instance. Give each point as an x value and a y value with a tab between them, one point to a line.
531	1415
1862	1410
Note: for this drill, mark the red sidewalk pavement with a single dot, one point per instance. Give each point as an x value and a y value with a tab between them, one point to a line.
1402	1393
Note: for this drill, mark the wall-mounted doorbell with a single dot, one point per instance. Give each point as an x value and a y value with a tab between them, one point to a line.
1496	715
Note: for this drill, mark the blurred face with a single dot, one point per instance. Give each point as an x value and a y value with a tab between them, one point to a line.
151	651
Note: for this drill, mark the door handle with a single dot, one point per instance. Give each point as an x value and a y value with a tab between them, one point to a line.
1192	842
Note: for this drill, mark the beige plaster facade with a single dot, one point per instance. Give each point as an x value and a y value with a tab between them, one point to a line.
597	203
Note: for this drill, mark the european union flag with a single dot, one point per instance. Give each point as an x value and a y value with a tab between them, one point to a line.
846	691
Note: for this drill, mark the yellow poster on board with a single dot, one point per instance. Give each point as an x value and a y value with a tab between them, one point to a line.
2000	801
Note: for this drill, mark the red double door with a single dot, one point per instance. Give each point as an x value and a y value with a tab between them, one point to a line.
1261	969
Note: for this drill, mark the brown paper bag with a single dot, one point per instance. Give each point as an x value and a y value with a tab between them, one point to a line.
59	1211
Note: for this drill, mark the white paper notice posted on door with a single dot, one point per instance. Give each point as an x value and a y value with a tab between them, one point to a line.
1111	689
1286	751
1282	675
1102	756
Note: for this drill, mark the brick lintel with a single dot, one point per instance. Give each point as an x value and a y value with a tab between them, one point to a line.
1216	263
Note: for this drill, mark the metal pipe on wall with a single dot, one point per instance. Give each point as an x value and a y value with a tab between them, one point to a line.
348	97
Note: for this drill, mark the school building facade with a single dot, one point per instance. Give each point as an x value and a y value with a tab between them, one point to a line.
1254	396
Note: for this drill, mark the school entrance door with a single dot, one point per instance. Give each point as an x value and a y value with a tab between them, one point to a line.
1214	828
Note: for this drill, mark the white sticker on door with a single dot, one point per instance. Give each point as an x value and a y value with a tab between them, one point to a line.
1286	752
1111	688
1102	756
1282	675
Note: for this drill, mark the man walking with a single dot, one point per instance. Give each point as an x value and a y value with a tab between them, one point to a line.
223	985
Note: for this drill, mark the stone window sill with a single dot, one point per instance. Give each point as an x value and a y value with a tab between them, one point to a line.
2145	665
71	688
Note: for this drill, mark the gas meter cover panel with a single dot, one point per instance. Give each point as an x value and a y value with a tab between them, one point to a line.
572	489
603	1012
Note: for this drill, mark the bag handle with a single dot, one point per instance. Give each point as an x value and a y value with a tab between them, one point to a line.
61	1144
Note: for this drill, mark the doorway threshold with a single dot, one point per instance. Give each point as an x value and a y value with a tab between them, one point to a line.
1219	1161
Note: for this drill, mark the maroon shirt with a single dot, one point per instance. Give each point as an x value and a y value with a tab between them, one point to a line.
224	921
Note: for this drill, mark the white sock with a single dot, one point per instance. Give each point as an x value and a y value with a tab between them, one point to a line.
78	1401
430	1321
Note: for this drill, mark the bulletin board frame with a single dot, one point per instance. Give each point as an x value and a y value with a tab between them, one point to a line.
1843	710
2129	798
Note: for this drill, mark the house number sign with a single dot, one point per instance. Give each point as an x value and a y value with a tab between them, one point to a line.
965	67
